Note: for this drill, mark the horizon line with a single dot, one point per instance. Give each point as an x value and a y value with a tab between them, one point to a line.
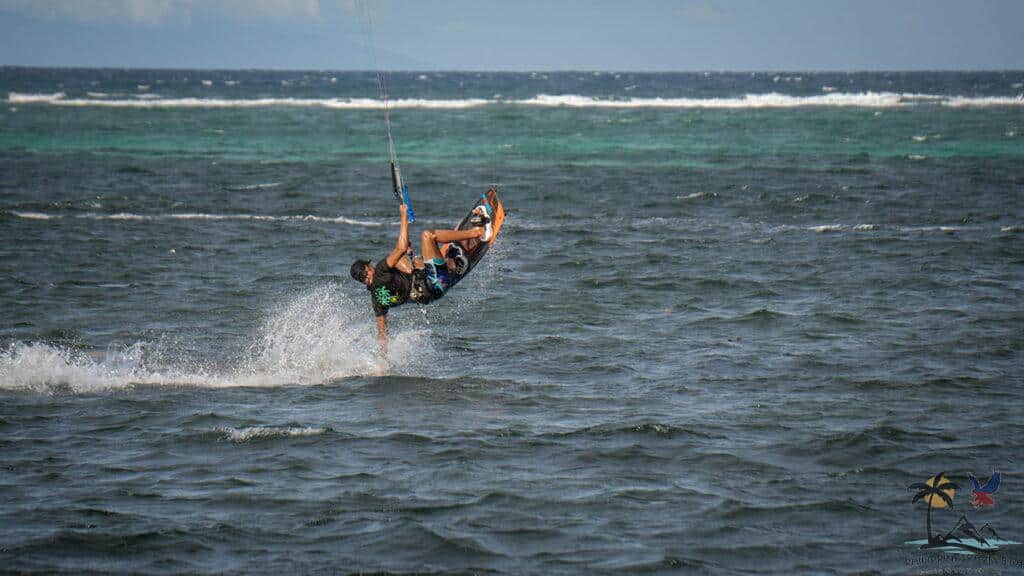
524	70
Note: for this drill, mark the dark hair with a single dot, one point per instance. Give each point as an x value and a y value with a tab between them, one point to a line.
359	270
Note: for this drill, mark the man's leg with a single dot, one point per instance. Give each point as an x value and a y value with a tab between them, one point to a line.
438	274
432	239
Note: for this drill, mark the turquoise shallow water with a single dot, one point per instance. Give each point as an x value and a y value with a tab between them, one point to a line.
730	319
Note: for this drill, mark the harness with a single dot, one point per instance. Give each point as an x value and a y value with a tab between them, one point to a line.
420	291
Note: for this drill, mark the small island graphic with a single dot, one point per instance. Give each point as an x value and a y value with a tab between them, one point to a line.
938	492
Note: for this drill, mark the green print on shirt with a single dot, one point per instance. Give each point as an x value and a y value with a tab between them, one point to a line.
385	297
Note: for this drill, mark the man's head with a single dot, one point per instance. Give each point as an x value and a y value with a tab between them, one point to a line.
362	271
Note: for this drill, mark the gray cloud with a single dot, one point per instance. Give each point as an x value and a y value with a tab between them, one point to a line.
155	12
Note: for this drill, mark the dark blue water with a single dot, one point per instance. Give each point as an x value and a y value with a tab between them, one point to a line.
730	318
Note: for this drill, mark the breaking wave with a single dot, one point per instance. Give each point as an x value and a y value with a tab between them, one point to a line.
61	99
747	101
129	216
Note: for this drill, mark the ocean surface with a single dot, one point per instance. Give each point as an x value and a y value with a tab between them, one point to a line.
729	320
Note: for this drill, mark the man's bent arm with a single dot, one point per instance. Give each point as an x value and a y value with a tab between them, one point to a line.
402	244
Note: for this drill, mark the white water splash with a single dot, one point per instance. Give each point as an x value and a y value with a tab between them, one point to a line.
320	335
42	367
317	337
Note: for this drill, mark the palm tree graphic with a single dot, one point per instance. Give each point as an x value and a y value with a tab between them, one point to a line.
937	492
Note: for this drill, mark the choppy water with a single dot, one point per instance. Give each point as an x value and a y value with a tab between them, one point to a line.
730	318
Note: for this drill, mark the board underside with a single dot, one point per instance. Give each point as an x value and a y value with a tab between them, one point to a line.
474	248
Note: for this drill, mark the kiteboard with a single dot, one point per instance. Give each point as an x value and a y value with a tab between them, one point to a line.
473	249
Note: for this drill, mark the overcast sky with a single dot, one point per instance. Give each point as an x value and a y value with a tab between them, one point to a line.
516	34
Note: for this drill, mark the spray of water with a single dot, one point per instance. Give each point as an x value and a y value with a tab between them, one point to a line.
318	336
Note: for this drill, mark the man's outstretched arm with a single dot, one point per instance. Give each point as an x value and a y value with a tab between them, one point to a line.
382	343
402	244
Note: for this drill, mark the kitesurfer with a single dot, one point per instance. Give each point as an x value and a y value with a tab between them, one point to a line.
401	278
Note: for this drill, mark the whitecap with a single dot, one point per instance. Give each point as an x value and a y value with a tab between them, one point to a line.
260	186
33	215
155	101
695	195
748	101
984	101
266	432
827	228
19	98
943	229
128	216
